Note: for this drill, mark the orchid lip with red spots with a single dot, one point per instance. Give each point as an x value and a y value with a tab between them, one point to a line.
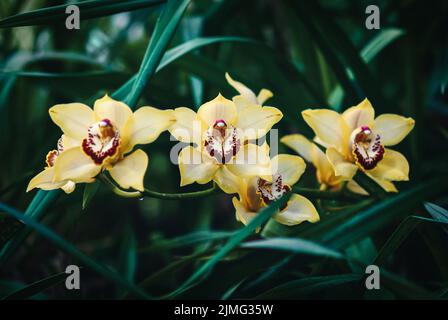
222	141
367	148
102	141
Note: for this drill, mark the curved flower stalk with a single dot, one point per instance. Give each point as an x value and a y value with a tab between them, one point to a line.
254	193
357	140
45	179
221	133
103	139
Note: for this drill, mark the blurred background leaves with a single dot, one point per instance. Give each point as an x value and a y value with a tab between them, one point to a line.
310	54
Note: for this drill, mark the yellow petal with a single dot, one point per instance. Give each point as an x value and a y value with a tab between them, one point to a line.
393	128
289	167
130	172
252	160
264	95
68	142
241	213
299	209
73	164
227	181
145	126
354	187
73	118
301	145
117	112
361	115
387	185
329	126
241	103
393	167
256	121
312	153
44	181
69	187
196	166
342	168
219	108
187	126
248	94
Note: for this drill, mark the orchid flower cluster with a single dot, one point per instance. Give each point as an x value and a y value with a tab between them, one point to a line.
222	147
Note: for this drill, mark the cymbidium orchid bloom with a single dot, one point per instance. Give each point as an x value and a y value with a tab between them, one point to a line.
104	138
357	140
221	134
255	193
45	179
324	170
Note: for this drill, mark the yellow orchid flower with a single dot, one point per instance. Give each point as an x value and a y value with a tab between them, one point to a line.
45	179
255	193
221	134
104	136
324	170
357	140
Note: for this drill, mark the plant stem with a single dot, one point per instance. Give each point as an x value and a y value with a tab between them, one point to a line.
310	193
158	195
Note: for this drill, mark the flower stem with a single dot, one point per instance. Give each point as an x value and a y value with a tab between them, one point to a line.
307	192
158	195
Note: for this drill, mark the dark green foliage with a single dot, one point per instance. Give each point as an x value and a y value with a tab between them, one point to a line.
170	54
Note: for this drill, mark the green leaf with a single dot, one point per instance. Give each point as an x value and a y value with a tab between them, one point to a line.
90	190
368	53
301	246
343	48
88	10
176	53
329	52
187	240
437	212
36	287
73	251
302	287
232	243
373	218
165	27
399	236
38	206
8	227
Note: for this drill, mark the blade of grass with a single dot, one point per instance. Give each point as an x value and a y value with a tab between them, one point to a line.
399	236
187	240
73	251
368	53
89	10
337	39
176	53
232	243
295	245
37	208
383	212
330	54
37	287
164	31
